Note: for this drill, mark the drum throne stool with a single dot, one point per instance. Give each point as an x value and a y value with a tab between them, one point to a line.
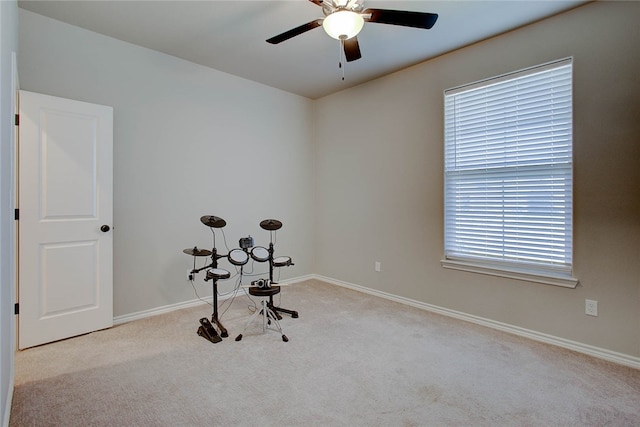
269	317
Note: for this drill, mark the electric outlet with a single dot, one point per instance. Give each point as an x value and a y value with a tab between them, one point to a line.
591	307
377	266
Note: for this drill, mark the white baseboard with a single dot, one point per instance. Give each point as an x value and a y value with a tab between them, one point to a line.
601	353
118	320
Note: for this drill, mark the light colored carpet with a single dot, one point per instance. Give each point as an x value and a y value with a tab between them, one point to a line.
352	360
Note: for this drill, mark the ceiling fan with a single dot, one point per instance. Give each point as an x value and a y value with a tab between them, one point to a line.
345	18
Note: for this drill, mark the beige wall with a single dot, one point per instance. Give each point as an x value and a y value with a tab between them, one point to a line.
188	141
379	182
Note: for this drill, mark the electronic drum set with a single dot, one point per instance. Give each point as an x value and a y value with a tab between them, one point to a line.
239	257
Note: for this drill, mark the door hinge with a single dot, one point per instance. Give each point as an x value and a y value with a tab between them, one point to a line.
17	120
16	214
16	309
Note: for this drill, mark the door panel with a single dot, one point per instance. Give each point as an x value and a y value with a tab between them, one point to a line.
65	196
70	283
68	164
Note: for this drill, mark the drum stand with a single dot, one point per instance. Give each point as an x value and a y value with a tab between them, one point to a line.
275	309
214	277
214	315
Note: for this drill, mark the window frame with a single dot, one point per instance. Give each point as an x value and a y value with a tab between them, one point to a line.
533	272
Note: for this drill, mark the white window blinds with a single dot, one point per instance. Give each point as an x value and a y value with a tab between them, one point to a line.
508	170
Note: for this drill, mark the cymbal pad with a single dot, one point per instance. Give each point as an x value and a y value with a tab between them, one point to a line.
213	221
270	224
197	252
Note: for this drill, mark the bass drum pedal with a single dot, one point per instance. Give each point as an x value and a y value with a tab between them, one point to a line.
207	331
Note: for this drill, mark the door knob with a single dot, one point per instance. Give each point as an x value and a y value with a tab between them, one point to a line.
105	228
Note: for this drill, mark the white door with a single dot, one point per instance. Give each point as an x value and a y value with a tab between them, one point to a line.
65	215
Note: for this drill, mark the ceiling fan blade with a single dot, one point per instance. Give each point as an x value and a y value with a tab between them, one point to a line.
295	32
318	2
402	17
352	49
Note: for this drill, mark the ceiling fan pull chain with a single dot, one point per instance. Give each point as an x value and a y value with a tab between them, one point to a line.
341	53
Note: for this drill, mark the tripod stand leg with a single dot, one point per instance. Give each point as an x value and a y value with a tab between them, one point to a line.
258	312
270	314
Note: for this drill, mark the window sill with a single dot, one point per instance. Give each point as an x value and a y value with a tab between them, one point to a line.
547	278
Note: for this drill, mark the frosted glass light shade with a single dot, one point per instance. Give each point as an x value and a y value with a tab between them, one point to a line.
343	24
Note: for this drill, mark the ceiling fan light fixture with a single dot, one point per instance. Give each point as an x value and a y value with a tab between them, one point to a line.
343	24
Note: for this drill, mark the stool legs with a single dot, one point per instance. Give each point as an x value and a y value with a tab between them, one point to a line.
268	317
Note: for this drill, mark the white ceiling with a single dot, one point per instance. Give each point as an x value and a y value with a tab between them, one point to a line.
230	35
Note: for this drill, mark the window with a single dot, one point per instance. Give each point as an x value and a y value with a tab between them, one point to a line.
508	175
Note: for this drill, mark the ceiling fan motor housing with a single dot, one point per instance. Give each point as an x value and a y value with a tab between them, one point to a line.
343	24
